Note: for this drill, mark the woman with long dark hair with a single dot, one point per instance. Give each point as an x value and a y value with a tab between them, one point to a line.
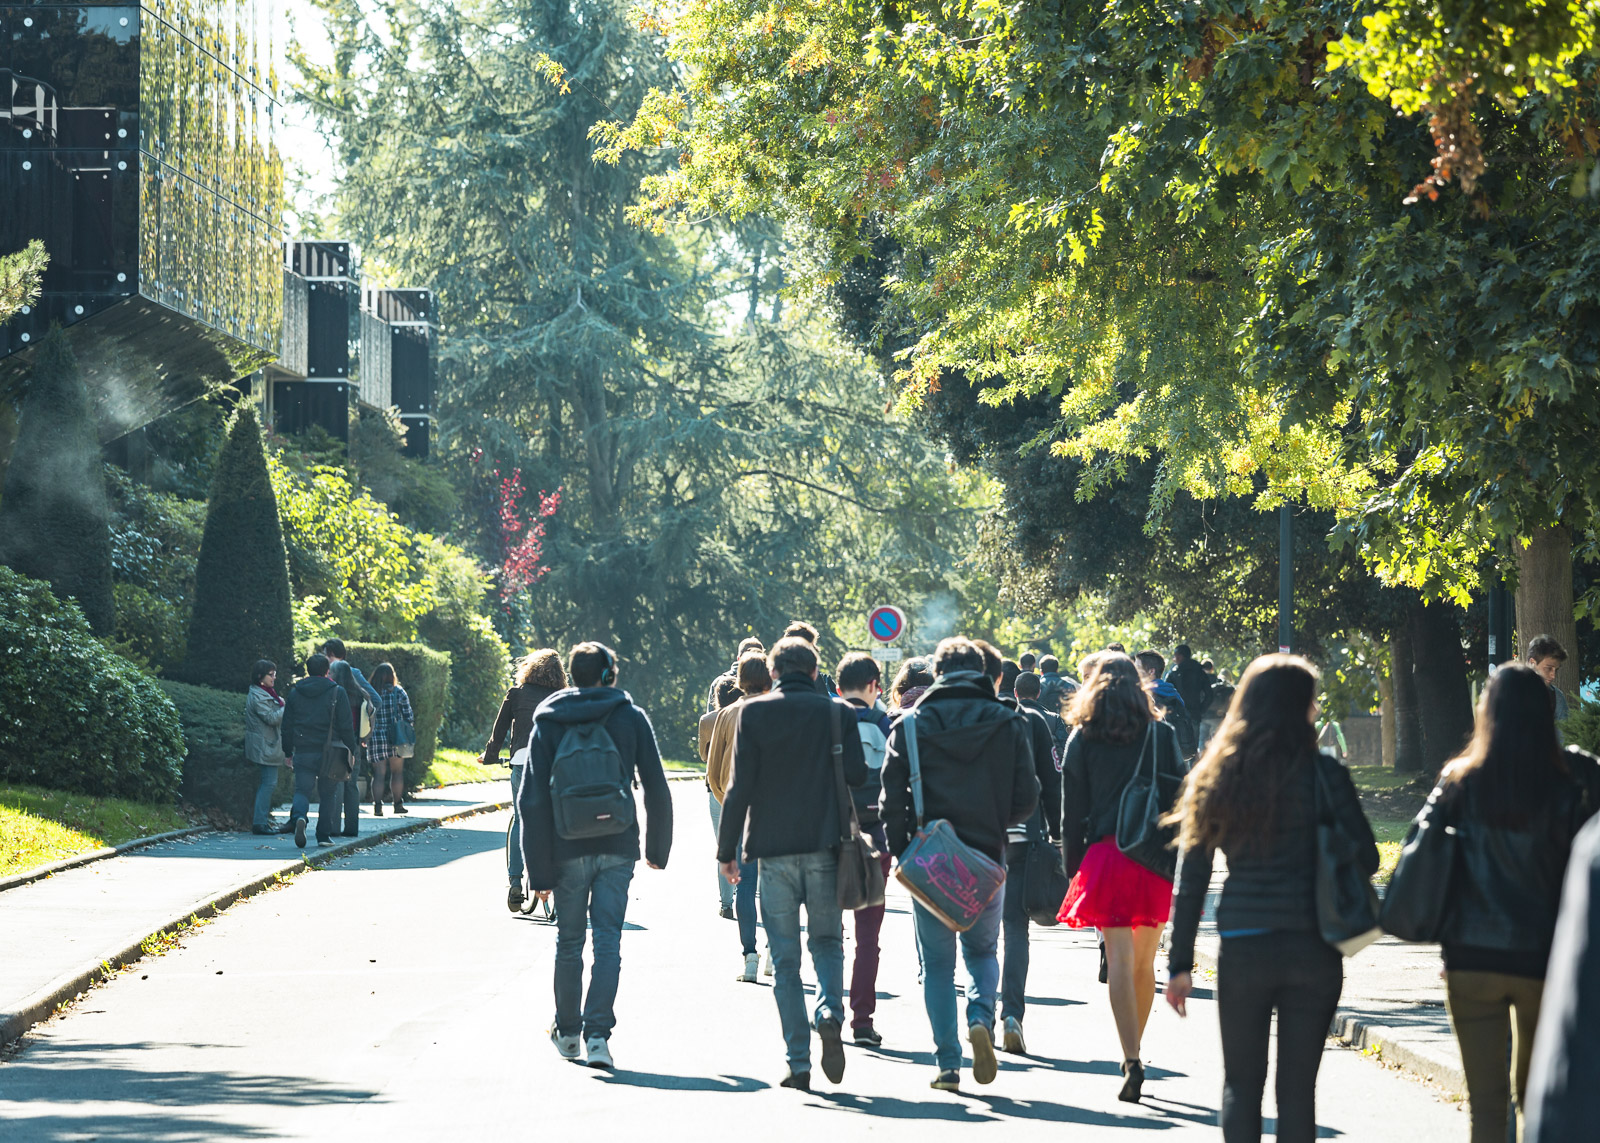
383	747
1515	800
539	675
1253	795
1117	735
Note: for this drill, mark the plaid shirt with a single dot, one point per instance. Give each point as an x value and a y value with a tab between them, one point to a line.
394	707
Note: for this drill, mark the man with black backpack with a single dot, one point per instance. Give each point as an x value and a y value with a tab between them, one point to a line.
580	835
861	685
791	748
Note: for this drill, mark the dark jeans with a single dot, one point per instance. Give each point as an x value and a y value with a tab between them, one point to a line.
305	781
869	923
590	893
351	797
1300	976
266	782
1014	923
744	904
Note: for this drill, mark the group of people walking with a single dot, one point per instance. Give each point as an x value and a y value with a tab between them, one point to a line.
330	724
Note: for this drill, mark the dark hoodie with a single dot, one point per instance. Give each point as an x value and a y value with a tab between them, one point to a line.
630	729
976	757
305	716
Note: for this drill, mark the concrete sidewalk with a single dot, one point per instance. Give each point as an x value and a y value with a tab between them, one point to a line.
58	935
1392	1005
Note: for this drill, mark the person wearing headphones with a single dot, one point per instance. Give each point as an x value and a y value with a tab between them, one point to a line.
580	836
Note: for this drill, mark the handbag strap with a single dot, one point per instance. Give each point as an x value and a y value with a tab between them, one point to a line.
908	721
849	823
333	714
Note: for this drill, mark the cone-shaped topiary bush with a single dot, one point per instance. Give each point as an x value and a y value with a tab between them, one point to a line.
54	522
241	582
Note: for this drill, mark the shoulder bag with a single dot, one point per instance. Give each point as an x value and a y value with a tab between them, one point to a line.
405	735
1140	834
336	766
1347	904
1044	877
1416	904
861	881
952	880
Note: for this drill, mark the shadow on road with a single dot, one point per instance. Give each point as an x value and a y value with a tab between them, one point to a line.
659	1082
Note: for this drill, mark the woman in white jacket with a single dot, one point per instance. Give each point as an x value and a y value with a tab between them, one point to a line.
263	739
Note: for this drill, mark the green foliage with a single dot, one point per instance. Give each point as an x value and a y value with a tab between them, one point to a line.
20	277
53	518
425	674
1582	727
418	492
241	601
155	543
39	825
216	775
150	631
75	716
480	661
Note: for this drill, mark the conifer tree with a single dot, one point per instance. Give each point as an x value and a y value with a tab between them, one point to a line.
241	595
54	517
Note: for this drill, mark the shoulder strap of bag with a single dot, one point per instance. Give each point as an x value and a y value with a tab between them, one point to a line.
333	715
908	720
849	824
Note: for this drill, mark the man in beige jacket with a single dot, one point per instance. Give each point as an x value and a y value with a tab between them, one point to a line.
754	679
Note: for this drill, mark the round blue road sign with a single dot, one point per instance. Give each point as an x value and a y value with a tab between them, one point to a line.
886	624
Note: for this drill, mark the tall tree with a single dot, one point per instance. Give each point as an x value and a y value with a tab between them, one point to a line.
20	277
54	519
241	582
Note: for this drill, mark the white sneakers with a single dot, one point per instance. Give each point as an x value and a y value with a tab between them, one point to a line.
566	1045
766	964
1012	1040
599	1052
752	967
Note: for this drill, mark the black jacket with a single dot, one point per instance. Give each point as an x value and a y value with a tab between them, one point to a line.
516	719
1193	685
1506	889
785	798
305	716
977	766
630	729
869	795
1046	768
1563	1099
1275	886
1093	776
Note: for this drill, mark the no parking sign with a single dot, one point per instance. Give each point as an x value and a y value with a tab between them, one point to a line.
886	624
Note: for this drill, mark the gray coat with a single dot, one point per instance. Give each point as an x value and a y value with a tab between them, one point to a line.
263	729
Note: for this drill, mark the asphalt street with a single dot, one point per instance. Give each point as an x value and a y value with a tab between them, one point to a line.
390	995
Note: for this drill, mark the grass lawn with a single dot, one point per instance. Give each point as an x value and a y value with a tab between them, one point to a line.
673	765
452	767
38	826
1389	835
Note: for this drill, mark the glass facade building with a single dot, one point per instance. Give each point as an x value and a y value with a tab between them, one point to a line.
137	141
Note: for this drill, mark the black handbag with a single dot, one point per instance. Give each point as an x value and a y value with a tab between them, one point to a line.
1044	878
336	763
861	883
1140	834
1417	902
1347	904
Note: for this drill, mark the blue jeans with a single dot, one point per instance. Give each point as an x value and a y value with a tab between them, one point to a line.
514	850
305	781
590	892
1014	918
936	950
724	890
266	783
787	883
744	904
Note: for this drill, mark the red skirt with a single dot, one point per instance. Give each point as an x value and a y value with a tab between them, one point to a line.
1112	891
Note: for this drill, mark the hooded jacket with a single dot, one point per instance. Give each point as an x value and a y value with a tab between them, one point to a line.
1193	685
305	716
1046	767
630	729
784	798
976	757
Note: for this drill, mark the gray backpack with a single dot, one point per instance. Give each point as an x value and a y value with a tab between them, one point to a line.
589	791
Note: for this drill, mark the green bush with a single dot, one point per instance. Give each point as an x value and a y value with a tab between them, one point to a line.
216	776
425	674
480	661
150	630
241	582
54	518
75	716
1582	727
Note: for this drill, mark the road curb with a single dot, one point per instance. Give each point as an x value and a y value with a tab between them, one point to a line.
1362	1034
43	1003
39	873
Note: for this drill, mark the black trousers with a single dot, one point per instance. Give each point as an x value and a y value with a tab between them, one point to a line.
1299	976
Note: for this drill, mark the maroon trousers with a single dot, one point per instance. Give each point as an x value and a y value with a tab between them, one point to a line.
869	923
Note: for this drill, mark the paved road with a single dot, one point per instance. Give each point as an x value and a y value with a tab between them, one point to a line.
391	996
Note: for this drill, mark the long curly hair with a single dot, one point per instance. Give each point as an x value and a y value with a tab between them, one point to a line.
1231	798
1112	704
542	668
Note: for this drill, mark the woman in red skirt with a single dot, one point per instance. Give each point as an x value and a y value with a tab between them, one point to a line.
1117	734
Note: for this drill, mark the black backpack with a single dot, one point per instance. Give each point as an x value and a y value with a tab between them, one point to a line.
589	791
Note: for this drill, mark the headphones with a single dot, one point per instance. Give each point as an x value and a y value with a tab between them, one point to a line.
609	675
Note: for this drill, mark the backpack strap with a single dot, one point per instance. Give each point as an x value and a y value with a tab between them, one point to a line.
908	720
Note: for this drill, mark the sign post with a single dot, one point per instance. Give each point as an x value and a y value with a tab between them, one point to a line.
886	624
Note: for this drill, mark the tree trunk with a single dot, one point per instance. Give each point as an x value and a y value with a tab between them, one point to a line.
1439	669
1407	729
1386	718
1544	600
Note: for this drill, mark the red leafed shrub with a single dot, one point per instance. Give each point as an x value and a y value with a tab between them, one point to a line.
522	533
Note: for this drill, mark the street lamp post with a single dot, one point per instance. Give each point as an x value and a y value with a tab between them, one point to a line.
1285	578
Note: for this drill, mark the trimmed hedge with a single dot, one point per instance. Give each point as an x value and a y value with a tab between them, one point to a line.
241	582
425	674
480	671
75	716
215	774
